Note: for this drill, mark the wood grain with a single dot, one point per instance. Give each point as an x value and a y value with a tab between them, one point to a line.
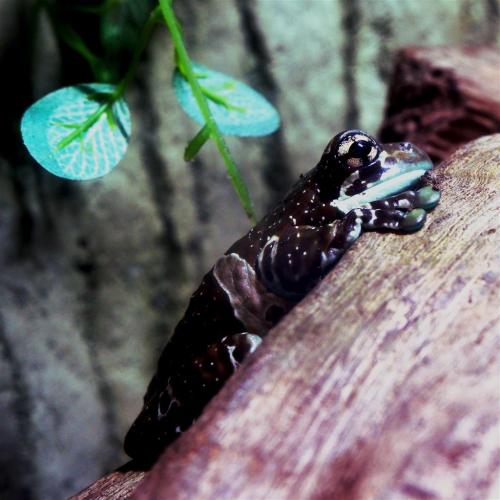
115	486
442	97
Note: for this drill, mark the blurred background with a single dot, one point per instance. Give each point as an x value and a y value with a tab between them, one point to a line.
95	275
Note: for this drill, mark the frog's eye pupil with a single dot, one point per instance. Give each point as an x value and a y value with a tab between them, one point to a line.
360	149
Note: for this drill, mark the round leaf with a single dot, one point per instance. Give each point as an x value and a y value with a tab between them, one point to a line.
245	112
76	132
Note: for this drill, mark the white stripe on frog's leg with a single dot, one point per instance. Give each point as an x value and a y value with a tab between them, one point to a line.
265	259
240	345
403	201
394	220
172	408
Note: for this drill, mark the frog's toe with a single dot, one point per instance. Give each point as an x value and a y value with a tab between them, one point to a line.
413	220
427	198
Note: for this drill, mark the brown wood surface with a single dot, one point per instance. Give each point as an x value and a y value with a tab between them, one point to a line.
114	486
94	276
442	97
383	383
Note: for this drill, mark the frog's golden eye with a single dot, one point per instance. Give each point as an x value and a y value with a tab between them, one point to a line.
356	149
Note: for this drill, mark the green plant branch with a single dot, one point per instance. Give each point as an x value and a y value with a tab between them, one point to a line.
201	94
107	106
106	6
68	36
196	143
73	40
185	61
144	38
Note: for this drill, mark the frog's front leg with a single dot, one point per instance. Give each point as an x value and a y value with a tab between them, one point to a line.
291	264
197	378
370	219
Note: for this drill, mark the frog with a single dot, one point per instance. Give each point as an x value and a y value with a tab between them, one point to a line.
358	185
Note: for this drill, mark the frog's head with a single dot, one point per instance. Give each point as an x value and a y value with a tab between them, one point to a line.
370	171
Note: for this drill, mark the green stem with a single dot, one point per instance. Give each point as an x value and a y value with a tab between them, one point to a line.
105	7
196	143
233	172
73	40
147	31
122	85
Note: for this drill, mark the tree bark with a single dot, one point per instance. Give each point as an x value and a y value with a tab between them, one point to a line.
442	97
382	383
118	485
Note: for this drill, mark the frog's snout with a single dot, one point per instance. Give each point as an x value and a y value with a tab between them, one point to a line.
406	155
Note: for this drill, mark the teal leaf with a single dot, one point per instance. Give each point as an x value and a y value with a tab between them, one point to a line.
237	108
76	133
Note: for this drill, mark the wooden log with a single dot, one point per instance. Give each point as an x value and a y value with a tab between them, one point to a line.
442	97
118	485
383	382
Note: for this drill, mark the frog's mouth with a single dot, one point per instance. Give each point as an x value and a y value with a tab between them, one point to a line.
399	167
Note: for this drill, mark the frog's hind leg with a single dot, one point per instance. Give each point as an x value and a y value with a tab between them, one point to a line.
172	404
199	376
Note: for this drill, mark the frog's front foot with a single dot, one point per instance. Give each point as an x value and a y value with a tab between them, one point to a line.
424	200
427	198
413	220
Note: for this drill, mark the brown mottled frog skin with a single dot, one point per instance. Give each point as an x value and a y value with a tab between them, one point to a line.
358	185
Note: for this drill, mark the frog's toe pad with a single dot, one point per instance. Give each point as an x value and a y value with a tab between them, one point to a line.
413	220
427	198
